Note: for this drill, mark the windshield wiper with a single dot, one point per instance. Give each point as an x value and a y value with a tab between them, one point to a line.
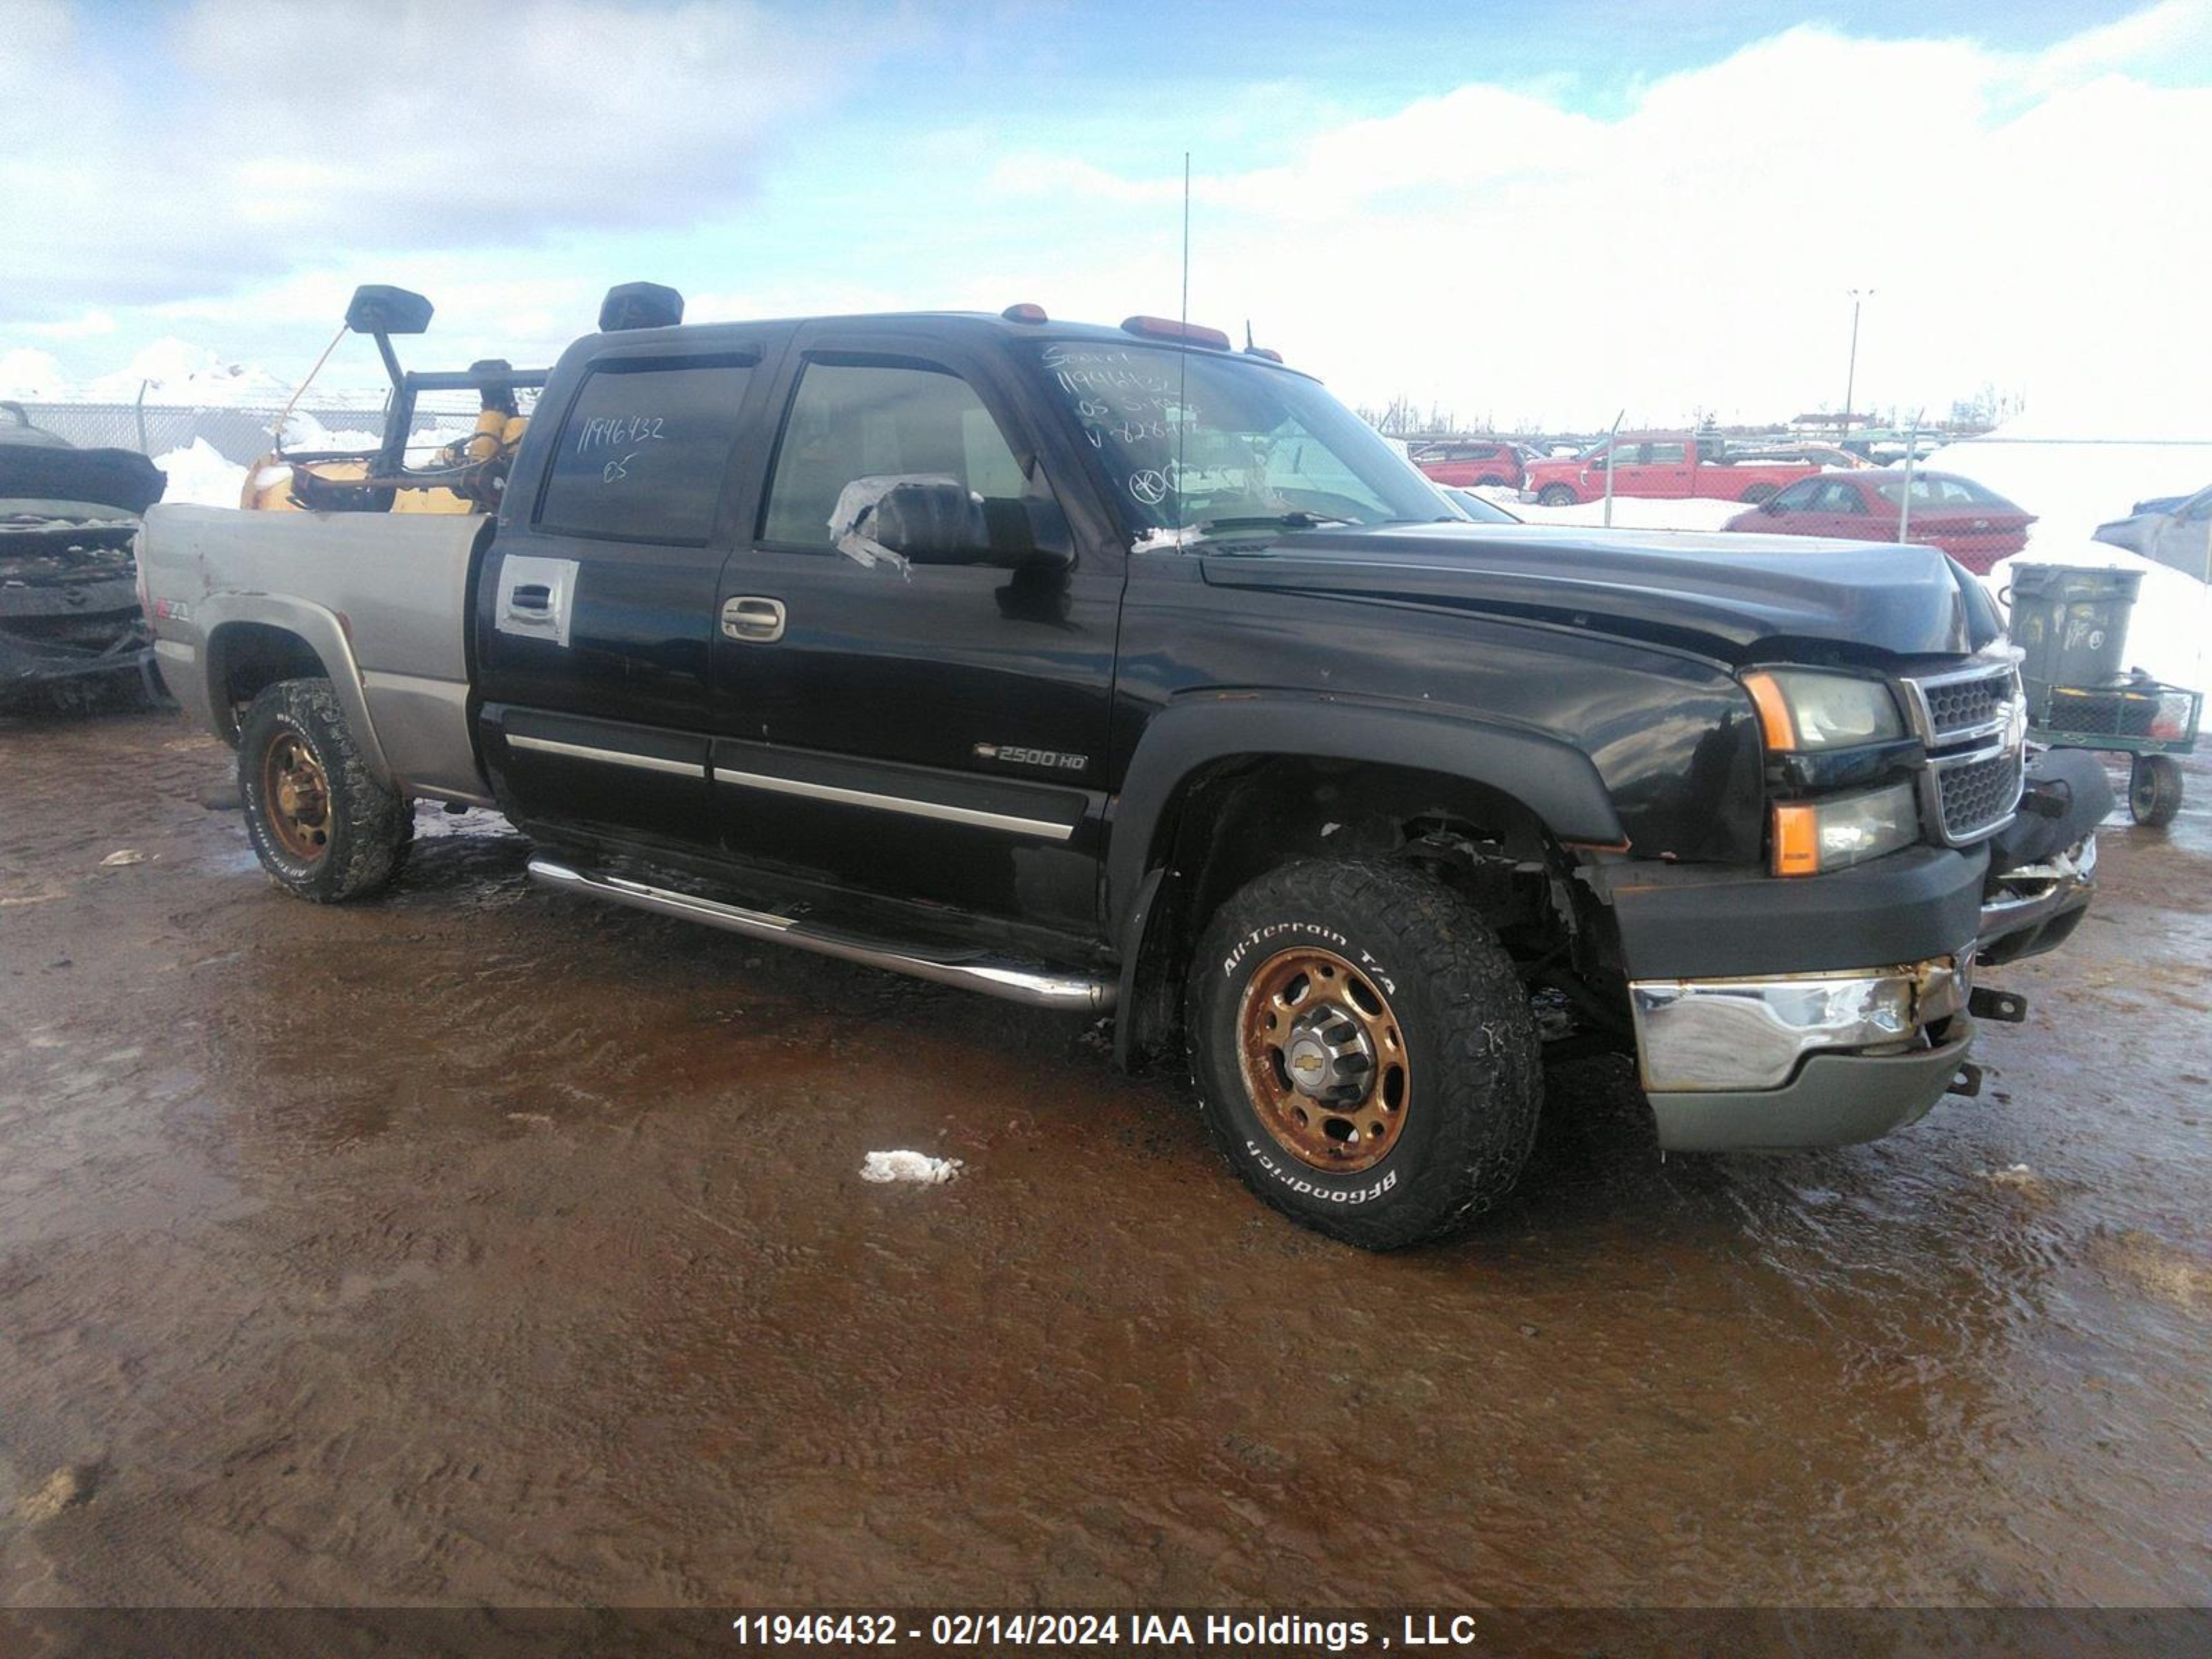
1297	519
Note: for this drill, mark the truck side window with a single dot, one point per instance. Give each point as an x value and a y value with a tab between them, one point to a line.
1667	454
858	420
642	454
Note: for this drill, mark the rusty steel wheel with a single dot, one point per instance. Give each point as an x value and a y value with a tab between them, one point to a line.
1318	992
296	795
1324	1060
325	827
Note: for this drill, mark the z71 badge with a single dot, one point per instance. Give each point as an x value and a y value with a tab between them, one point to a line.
1007	754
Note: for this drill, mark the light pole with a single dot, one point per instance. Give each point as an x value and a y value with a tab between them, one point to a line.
1851	371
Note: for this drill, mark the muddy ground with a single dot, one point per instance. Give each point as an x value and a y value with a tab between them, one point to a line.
480	1244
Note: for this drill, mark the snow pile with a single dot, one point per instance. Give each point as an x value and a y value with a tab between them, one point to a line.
199	477
917	1167
174	371
33	377
302	431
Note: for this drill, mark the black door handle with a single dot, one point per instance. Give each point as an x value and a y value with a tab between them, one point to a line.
530	595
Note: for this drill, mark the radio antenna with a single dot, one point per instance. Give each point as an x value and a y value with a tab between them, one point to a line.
1182	379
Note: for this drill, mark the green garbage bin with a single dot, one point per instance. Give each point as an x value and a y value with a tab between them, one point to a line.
2072	625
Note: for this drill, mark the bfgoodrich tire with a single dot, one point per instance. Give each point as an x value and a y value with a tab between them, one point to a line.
1363	1051
327	829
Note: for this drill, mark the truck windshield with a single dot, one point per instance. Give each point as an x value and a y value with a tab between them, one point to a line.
1202	442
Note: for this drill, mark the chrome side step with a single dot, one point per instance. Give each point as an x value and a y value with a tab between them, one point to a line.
1038	988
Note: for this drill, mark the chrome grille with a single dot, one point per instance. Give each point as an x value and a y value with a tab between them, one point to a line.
1977	795
1972	721
1957	705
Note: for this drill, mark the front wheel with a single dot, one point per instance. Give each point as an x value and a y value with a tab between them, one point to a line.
1556	495
2154	790
1363	1051
326	827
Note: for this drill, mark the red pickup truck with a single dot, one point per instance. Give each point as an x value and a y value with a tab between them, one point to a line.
1668	465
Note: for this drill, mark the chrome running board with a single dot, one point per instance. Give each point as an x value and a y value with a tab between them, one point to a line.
1038	988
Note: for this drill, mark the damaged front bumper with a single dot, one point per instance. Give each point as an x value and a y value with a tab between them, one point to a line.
1801	1059
2036	908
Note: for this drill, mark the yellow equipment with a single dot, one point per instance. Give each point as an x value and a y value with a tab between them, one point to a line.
465	475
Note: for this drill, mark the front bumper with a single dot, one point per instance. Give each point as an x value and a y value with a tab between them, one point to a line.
1836	1100
1799	1060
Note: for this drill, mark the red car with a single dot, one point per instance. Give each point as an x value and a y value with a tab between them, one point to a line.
1975	526
1464	463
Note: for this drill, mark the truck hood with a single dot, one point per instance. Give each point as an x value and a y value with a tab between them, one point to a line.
1733	596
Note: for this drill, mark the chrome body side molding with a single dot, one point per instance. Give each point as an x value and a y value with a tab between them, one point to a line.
1043	828
610	756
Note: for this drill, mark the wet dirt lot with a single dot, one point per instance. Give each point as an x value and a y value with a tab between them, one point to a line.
480	1244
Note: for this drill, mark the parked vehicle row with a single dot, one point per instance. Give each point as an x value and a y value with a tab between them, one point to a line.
1662	466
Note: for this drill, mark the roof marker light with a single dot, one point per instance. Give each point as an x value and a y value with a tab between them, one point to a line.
1166	328
1262	351
1024	312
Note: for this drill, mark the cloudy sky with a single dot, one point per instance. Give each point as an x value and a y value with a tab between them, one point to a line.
1526	212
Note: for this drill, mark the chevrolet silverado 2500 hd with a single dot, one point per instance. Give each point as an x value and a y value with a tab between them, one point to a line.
1111	669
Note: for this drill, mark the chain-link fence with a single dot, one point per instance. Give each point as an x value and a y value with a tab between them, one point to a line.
243	435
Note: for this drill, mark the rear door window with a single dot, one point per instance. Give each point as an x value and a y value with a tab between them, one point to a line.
643	453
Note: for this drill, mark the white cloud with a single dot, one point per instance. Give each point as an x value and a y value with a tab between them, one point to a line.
2041	222
86	325
280	137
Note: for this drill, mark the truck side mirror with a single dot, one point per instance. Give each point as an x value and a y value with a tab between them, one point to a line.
932	519
640	305
378	309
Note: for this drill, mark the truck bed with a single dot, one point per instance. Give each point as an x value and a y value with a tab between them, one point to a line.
381	598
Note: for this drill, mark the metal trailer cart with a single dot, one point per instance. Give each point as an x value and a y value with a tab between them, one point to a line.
2071	625
2146	719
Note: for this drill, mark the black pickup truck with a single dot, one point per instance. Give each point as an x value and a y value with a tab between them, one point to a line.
1115	669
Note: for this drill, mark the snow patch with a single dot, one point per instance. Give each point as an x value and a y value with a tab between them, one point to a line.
199	477
31	376
917	1167
1629	512
174	371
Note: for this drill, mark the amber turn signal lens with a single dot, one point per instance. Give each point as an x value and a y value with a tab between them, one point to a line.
1774	724
1797	841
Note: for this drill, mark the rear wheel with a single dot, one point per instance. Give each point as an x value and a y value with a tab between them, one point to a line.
1556	495
2154	790
326	828
1363	1051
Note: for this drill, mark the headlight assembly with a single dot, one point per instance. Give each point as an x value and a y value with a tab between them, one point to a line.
1811	837
1802	711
